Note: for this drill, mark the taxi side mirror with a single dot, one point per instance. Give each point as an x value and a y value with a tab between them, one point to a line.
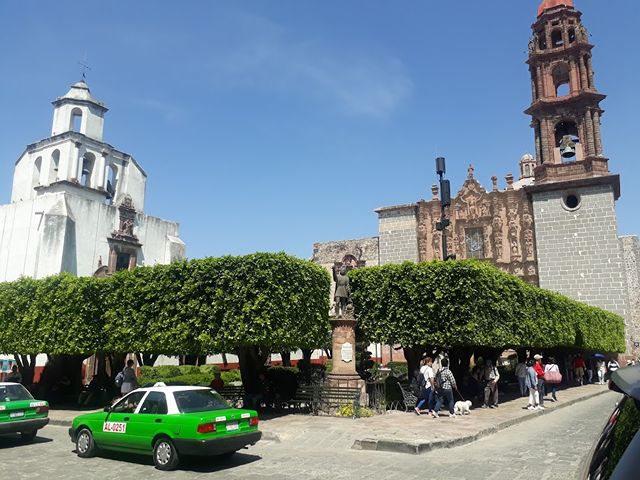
107	408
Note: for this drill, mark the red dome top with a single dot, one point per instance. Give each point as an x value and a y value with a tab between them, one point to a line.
548	4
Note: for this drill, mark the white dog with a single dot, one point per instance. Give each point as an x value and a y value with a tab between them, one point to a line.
462	408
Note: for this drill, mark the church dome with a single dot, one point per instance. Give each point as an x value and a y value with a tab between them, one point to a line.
549	4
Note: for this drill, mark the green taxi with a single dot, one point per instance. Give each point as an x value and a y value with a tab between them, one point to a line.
20	413
168	422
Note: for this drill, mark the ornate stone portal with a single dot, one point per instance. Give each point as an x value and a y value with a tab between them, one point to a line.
495	226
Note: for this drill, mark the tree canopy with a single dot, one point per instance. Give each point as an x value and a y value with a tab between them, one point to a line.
472	303
272	301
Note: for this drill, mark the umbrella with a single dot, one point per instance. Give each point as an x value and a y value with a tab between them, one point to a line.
599	355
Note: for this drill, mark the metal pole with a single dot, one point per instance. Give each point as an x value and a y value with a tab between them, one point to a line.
442	221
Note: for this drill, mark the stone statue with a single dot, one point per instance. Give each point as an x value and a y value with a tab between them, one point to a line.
342	294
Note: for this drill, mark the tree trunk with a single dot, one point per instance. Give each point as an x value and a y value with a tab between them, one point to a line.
225	362
146	359
252	359
286	359
413	355
26	367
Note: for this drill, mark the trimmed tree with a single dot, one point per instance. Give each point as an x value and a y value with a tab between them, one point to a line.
458	304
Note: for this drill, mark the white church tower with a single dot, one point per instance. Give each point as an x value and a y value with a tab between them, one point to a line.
77	203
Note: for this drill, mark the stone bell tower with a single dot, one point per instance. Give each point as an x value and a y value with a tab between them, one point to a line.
573	194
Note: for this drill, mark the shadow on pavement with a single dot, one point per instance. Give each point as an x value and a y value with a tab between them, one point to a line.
12	440
188	464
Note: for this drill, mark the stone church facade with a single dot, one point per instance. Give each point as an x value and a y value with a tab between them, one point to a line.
555	226
77	203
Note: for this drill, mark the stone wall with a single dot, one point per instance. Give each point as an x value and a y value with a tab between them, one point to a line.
577	249
630	248
397	228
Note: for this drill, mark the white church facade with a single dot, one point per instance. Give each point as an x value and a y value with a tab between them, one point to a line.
77	203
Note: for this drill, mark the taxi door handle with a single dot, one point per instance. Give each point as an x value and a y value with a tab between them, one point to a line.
126	419
158	420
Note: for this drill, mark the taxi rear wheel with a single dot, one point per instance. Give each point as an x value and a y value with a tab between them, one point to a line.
165	455
28	436
85	445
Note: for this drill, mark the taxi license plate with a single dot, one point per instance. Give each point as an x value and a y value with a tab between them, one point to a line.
232	426
16	414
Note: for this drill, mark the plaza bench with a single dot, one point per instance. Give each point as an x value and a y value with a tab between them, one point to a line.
233	394
304	397
409	399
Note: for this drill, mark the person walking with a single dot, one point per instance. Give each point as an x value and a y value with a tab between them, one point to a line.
531	382
521	375
601	369
490	377
129	379
551	366
578	368
445	384
612	366
540	374
426	371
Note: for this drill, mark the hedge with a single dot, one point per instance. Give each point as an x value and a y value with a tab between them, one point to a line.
204	306
472	303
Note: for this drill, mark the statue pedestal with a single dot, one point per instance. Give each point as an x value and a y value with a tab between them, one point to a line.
343	356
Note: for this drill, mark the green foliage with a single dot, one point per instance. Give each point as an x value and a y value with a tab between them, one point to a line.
149	373
167	371
398	369
209	369
229	376
472	303
273	301
198	379
347	410
189	370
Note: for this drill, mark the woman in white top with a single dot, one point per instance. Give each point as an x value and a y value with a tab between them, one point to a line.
552	367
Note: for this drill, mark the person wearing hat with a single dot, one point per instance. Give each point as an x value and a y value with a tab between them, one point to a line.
540	374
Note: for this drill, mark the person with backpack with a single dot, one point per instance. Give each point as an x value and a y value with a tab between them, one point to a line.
426	382
126	379
445	384
490	377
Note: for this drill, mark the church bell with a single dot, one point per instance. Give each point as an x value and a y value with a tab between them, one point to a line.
567	147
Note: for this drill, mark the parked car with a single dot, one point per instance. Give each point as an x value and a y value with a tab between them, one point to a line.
20	412
168	422
616	453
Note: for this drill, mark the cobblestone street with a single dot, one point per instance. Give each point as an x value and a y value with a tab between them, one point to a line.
548	447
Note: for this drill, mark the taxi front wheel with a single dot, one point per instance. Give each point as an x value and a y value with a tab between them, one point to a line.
85	446
165	455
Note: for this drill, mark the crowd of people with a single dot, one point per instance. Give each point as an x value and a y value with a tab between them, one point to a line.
537	378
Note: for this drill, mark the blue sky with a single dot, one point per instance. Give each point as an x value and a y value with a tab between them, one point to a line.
271	125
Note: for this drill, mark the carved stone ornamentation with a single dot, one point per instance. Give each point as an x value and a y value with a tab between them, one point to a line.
496	226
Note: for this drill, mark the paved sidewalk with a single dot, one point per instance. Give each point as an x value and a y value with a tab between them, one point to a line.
398	431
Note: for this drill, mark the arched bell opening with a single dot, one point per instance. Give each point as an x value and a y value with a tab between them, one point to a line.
562	80
567	142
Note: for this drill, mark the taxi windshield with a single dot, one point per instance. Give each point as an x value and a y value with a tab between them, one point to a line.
190	401
11	393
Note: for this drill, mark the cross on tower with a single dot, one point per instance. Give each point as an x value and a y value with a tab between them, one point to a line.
85	67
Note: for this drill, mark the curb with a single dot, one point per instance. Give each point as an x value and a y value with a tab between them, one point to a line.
400	446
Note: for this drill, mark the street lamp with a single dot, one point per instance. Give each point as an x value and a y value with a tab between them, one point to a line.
445	201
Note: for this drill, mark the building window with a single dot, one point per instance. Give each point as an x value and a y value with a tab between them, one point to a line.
122	263
474	239
571	201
